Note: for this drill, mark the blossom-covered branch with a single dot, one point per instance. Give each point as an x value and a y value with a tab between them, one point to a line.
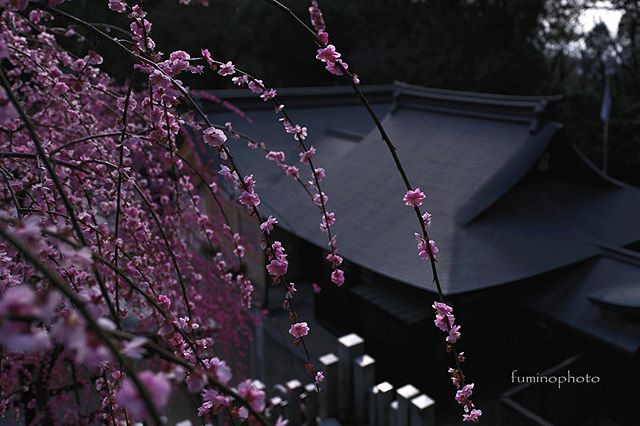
336	65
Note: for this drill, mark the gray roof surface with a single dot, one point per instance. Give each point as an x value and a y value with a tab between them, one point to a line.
467	152
332	131
566	298
399	302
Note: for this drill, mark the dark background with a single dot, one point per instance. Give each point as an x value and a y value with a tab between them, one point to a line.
502	46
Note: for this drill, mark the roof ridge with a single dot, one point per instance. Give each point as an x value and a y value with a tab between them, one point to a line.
424	91
618	253
532	110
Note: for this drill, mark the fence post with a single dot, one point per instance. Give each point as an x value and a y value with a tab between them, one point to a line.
423	411
405	394
363	380
259	385
382	396
328	398
277	407
293	413
393	413
350	347
280	390
373	394
311	404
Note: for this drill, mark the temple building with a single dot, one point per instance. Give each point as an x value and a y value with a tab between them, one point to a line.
538	248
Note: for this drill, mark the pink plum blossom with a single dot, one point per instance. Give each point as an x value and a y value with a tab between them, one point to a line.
71	332
207	57
93	58
328	219
425	252
275	156
267	226
164	301
220	369
426	218
196	381
228	174
319	200
299	330
227	69
82	257
444	316
213	400
256	86
277	267
118	6
337	277
268	94
306	155
249	199
292	171
253	396
473	416
328	54
214	137
7	109
320	173
156	385
249	182
454	334
463	395
17	335
413	198
323	36
334	259
242	80
316	16
337	67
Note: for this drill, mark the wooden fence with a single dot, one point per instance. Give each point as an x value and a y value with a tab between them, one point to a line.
348	395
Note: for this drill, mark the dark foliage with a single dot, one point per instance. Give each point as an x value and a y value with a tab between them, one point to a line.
502	46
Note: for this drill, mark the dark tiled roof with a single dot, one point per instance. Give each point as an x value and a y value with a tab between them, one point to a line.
402	304
567	296
467	151
335	120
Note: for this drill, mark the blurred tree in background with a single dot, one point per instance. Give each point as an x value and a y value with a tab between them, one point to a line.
501	46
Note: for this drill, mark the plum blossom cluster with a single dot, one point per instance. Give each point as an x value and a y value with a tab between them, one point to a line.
413	197
110	250
128	396
444	319
463	396
327	53
426	250
299	133
277	263
446	322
